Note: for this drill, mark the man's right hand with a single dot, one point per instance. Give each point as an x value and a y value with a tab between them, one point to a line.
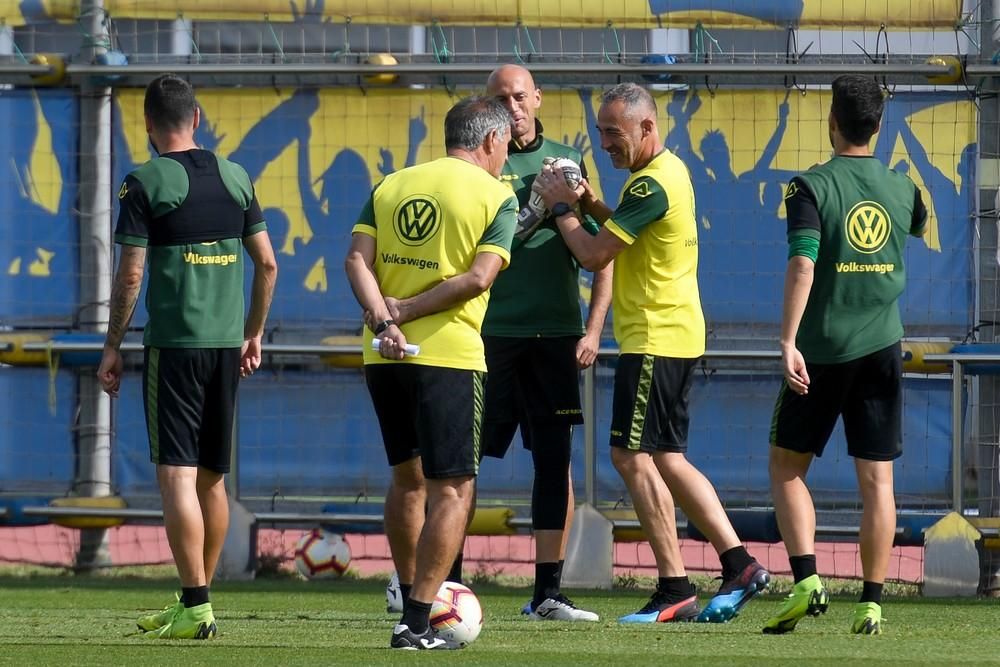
250	356
794	366
109	373
393	345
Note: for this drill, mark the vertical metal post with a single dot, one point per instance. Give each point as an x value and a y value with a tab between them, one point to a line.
6	40
180	37
590	434
94	428
957	465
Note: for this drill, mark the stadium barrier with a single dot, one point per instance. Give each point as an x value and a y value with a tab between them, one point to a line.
752	525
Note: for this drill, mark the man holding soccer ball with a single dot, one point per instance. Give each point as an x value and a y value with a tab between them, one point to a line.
534	348
653	237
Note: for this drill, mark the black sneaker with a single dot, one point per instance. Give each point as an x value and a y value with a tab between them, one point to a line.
404	638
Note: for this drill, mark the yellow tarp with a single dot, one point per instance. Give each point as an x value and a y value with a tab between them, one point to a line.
533	13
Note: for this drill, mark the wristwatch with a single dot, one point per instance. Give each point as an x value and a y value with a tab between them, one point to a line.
561	208
383	325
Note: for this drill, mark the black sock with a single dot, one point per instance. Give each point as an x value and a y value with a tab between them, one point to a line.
734	561
404	592
456	569
546	582
416	616
803	567
675	588
871	592
194	596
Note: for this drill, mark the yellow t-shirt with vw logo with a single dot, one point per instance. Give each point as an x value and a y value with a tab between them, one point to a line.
429	223
657	308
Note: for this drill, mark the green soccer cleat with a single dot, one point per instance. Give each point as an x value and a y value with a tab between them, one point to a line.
157	620
188	623
808	598
867	619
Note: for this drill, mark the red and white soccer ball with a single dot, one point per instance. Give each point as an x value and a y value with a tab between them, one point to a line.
320	553
456	614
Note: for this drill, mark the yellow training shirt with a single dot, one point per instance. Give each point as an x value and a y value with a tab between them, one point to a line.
657	309
429	223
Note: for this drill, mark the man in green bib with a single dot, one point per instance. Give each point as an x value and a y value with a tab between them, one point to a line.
848	221
193	213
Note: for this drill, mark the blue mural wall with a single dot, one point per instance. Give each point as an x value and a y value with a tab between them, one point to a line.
314	156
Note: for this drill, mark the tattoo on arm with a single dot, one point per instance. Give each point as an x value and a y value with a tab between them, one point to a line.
125	293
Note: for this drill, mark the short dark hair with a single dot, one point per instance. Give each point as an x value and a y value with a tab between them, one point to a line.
857	107
471	119
169	102
634	97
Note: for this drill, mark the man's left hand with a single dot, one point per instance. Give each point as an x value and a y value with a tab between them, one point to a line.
552	188
586	350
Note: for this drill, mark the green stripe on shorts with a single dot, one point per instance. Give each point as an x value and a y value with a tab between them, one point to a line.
642	391
478	396
152	398
773	436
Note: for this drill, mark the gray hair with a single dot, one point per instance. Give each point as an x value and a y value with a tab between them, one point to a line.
471	119
635	98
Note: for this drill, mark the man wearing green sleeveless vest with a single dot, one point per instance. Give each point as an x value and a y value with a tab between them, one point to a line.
848	221
536	344
193	213
653	237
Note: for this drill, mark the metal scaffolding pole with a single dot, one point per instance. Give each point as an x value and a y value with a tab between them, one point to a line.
93	432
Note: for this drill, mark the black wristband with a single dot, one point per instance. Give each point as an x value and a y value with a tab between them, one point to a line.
383	325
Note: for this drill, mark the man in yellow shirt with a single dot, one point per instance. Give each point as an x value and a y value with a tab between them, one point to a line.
652	236
424	253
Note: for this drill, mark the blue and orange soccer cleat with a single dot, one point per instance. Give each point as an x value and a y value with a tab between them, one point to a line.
660	609
735	593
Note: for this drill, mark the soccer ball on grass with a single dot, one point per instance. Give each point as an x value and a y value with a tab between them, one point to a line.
320	553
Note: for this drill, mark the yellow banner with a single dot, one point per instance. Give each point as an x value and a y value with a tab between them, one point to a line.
314	155
531	13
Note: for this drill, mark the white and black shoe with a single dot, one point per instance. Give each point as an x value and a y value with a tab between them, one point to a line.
406	639
558	608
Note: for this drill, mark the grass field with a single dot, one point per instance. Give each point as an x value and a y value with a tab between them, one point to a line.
65	620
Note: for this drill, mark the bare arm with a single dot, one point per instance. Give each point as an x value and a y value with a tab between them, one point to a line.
453	291
265	275
124	294
594	253
593	206
798	283
600	301
360	268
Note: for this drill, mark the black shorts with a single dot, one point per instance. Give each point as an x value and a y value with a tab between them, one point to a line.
431	412
189	395
649	410
529	380
867	392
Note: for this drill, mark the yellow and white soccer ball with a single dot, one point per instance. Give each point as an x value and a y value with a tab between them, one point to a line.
456	614
320	553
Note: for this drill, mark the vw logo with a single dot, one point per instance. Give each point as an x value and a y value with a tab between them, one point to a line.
417	219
